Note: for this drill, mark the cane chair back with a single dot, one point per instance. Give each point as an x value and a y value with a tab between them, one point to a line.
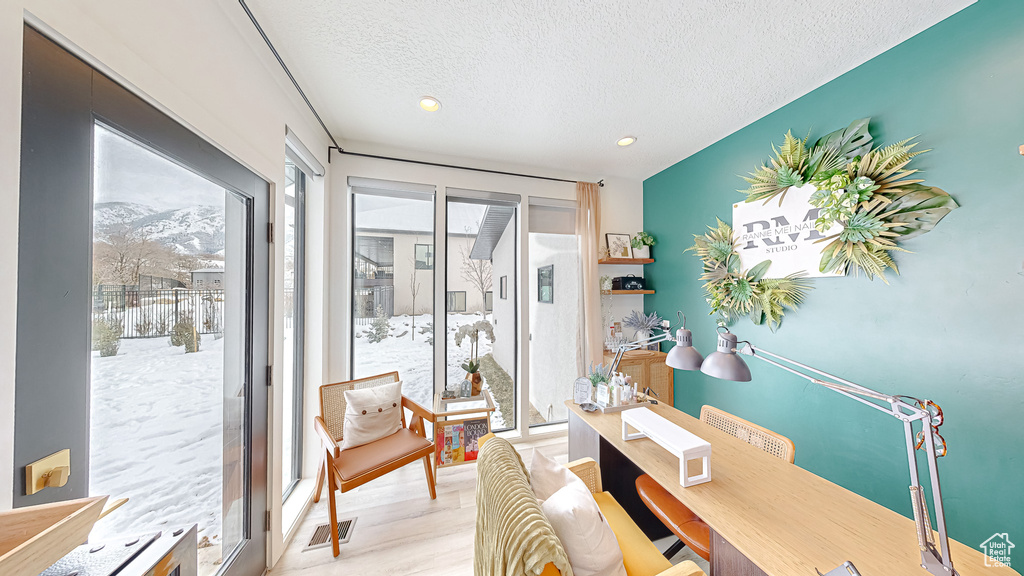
757	436
333	404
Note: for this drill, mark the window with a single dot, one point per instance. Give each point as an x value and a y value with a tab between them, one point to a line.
392	295
489	301
456	301
546	284
292	336
424	256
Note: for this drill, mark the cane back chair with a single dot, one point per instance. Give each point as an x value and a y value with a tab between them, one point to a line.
687	526
347	469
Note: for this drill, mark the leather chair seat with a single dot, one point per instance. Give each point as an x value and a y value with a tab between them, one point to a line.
686	525
360	460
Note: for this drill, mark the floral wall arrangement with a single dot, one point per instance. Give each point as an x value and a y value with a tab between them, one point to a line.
870	192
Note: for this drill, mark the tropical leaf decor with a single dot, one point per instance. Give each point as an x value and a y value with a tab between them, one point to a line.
869	191
733	292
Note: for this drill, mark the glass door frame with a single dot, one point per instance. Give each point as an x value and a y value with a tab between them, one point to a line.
392	189
522	429
540	202
61	104
298	328
457	195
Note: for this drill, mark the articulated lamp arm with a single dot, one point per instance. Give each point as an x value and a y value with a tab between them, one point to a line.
936	561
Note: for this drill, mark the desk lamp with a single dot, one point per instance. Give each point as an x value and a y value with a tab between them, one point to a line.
682	356
725	363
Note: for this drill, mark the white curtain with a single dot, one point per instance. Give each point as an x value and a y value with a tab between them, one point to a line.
588	227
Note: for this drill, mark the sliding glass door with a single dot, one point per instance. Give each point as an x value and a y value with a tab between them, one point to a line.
554	303
142	314
169	323
393	316
481	318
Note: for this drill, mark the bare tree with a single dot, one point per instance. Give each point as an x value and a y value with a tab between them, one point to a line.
414	289
478	274
126	252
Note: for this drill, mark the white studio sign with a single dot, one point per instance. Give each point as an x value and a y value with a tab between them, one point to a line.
783	234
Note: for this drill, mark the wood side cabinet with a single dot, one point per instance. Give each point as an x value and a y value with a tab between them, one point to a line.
648	368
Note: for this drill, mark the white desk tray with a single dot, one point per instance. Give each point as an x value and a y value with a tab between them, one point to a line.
688	447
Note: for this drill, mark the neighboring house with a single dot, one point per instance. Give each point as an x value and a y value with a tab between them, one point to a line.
208	279
392	245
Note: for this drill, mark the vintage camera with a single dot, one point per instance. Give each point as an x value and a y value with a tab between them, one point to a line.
628	283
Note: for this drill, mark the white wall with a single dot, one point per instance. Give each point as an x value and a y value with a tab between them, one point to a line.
204	63
503	260
554	326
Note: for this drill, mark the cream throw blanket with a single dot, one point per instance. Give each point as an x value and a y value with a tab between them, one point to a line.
513	538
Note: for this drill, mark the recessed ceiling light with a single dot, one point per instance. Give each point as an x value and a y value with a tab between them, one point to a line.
430	104
626	141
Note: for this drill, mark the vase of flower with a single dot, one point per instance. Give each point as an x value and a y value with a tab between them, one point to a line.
472	366
477	382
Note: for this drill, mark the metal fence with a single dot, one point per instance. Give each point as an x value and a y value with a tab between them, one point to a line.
153	313
365	301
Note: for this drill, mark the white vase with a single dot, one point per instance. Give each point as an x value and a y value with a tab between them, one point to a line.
642	252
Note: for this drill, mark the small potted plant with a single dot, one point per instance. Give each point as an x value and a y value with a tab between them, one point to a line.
598	374
642	245
643	325
472	366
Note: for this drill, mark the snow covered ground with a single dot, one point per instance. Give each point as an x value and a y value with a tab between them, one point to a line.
414	359
157	422
157	436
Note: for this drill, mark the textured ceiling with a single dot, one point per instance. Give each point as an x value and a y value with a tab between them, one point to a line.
554	83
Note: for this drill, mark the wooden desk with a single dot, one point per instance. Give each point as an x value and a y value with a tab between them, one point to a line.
783	519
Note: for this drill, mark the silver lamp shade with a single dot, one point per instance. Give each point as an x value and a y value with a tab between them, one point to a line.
683	356
724	363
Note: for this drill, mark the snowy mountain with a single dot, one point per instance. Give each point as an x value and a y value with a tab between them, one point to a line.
197	230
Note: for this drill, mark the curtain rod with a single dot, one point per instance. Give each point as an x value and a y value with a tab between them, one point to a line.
288	72
295	83
440	165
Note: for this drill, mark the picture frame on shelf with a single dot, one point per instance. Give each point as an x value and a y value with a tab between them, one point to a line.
619	245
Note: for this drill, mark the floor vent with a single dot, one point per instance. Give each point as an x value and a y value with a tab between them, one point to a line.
321	537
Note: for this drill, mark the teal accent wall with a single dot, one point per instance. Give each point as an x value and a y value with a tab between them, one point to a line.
949	328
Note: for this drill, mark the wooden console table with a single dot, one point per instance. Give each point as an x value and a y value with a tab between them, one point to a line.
767	516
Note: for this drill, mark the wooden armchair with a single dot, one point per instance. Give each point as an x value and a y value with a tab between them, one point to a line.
346	469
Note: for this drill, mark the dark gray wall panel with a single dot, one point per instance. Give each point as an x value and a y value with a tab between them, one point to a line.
54	267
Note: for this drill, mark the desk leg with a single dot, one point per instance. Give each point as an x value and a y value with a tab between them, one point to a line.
618	474
726	560
584	441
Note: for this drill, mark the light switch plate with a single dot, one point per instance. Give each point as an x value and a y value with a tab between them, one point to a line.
35	472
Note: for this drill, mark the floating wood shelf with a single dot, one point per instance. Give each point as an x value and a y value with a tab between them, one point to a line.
626	261
613	292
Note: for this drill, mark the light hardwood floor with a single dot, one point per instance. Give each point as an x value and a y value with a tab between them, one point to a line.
400	530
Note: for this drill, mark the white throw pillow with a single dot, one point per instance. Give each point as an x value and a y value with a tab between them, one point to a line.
586	536
548	476
372	414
